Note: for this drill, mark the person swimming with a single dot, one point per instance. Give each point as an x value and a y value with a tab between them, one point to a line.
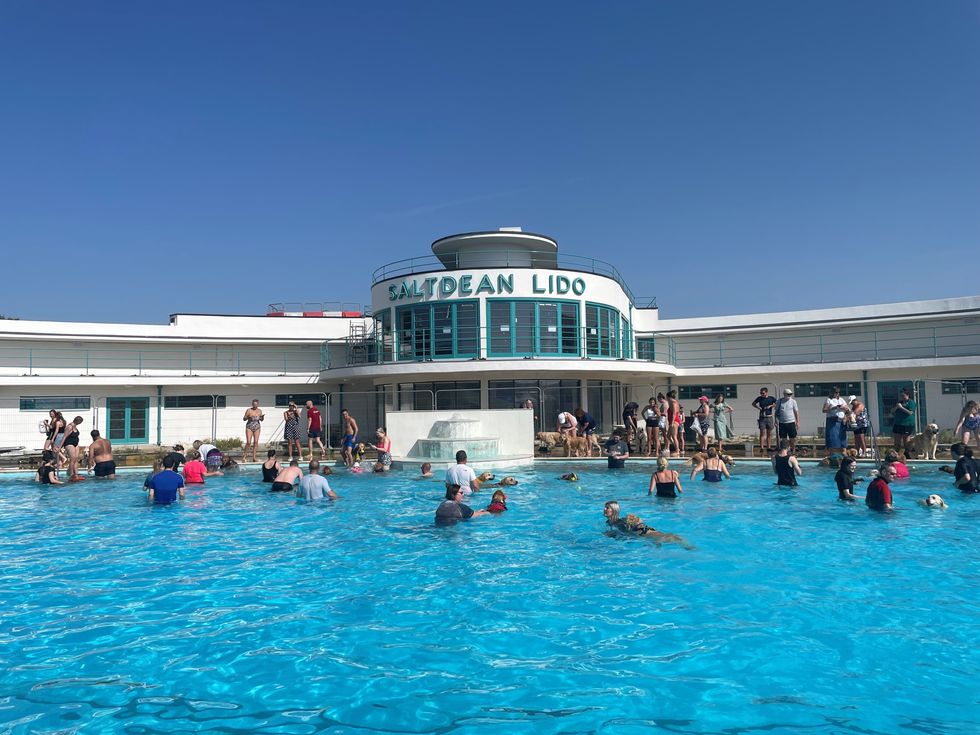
569	477
634	525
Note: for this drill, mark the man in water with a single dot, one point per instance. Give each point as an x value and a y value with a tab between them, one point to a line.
100	454
452	509
462	474
965	472
350	437
785	465
617	452
879	496
314	486
287	477
166	486
313	428
764	402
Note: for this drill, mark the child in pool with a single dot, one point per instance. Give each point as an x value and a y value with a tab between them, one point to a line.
498	503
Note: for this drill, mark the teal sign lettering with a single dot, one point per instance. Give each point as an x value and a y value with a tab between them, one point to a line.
444	286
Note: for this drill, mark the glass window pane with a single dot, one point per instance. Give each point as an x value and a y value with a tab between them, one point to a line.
569	329
467	330
548	338
524	326
500	328
442	325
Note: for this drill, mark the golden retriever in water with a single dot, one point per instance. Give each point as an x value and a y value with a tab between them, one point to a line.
924	443
580	444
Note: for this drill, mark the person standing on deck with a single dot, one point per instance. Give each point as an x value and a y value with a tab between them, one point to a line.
350	437
313	428
765	402
788	417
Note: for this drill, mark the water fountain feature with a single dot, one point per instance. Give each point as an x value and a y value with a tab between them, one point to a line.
436	436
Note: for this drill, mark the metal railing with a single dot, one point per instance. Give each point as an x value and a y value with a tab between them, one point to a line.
317	307
558	342
213	361
504	258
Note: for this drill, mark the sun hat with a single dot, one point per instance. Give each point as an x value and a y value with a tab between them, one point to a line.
704	398
787	392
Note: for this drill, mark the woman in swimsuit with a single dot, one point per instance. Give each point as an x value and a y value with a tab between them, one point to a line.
253	427
665	482
712	466
969	423
383	448
651	421
271	467
69	442
291	430
634	525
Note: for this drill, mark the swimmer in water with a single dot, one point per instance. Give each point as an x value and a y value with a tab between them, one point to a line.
426	470
634	525
569	477
845	479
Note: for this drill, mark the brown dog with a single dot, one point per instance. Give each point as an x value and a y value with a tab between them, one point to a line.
580	445
549	438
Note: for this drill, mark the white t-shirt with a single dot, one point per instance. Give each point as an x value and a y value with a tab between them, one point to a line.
785	410
462	475
838	403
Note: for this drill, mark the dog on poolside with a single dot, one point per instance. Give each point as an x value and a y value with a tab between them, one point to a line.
549	438
924	443
580	444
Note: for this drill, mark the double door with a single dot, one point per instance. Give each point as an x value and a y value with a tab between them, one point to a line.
127	420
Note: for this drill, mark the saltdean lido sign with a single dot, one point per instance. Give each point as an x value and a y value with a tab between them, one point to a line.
444	286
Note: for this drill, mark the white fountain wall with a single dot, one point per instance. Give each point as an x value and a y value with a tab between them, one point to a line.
513	427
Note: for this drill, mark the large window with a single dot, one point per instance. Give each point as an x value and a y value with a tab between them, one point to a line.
300	399
822	390
438	331
384	339
549	397
446	395
602	331
646	348
956	387
693	392
605	403
58	403
520	327
201	401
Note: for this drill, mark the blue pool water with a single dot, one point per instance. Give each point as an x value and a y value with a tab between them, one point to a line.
245	612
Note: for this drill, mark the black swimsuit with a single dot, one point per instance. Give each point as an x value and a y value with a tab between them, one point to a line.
71	440
666	490
269	474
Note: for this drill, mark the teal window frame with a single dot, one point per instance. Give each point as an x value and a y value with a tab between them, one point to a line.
603	339
646	348
127	407
57	403
565	347
426	338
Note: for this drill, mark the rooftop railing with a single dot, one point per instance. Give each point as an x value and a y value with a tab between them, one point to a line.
317	308
503	258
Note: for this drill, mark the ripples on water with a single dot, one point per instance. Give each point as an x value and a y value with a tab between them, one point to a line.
241	611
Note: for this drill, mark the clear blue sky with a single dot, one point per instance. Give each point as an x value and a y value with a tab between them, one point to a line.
216	156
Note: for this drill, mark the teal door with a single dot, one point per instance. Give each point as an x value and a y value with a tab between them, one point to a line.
888	396
127	420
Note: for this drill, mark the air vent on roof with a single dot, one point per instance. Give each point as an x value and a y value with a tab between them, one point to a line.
510	229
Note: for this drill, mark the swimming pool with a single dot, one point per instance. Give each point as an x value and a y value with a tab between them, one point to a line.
241	611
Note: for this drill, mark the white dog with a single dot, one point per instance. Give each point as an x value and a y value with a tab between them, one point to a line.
924	443
934	501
